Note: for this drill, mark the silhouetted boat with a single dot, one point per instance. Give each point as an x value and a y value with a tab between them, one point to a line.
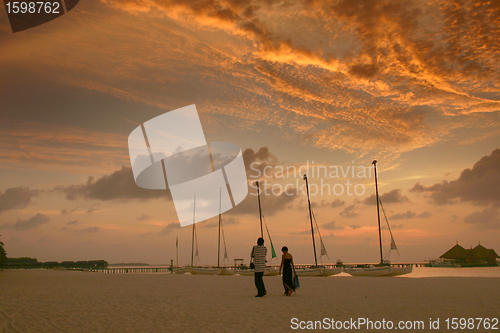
316	270
384	268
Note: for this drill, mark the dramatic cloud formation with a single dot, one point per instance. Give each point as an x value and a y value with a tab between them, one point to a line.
394	196
32	222
359	76
119	185
479	185
16	198
488	218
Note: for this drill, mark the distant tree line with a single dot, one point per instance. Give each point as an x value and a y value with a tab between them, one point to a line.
24	263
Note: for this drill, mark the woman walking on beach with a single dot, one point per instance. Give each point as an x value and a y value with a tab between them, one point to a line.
258	257
287	266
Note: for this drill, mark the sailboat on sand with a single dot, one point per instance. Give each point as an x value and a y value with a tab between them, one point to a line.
177	269
218	270
316	270
384	268
188	268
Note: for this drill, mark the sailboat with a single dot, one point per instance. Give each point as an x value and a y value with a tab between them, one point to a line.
177	269
188	268
218	270
316	270
384	268
268	270
223	270
327	271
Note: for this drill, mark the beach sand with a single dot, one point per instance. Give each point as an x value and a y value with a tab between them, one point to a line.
67	301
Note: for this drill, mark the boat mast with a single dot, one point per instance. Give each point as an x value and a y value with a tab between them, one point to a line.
260	210
192	237
218	243
310	218
378	210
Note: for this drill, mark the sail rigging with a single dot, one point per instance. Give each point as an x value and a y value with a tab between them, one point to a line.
316	270
384	268
323	249
393	243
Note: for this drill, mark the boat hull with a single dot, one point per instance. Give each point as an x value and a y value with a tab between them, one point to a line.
331	271
226	271
206	270
401	270
268	271
316	271
181	270
379	271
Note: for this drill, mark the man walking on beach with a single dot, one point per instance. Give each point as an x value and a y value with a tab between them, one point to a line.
258	256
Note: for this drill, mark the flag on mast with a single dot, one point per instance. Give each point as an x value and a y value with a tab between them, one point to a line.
270	241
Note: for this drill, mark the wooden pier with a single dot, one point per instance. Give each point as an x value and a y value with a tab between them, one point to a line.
121	270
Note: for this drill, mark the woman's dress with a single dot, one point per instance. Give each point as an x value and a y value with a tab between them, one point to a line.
287	275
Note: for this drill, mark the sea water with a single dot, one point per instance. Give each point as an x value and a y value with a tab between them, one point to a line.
422	272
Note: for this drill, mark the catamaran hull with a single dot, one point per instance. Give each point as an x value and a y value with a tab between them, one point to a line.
331	271
206	271
181	270
268	271
401	270
379	271
225	271
309	271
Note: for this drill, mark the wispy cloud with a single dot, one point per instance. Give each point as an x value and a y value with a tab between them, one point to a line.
349	212
16	198
169	228
488	218
23	225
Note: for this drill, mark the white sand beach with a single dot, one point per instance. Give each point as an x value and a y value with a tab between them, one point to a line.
66	301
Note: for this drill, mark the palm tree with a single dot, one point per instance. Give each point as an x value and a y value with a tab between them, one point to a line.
3	255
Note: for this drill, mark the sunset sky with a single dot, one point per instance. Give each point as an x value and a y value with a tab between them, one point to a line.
412	84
